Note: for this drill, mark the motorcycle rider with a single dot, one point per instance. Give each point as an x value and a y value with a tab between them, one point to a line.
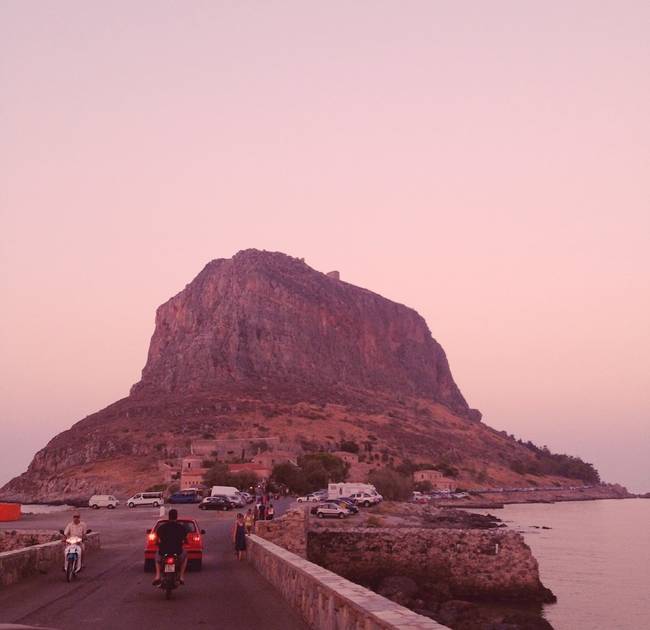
76	527
171	536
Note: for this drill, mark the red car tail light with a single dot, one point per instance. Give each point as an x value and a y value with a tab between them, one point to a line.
152	537
195	537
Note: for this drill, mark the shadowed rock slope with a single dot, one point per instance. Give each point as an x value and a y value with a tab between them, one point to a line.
261	344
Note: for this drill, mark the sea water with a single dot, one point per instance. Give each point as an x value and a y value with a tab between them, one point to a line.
595	558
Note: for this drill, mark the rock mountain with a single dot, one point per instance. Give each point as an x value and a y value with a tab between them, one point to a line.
262	344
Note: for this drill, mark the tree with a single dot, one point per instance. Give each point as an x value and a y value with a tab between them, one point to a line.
290	476
320	469
243	480
390	484
217	475
314	471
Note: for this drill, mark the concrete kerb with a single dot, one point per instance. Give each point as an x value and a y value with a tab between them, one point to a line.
325	600
21	563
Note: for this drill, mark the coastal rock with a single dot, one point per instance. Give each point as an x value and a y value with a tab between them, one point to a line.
479	565
268	320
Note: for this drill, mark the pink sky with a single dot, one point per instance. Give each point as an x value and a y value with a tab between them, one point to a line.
484	163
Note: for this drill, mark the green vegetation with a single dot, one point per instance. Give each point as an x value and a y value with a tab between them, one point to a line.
314	471
391	484
547	463
218	475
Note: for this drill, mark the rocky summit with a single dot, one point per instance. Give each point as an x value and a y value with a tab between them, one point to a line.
263	346
266	321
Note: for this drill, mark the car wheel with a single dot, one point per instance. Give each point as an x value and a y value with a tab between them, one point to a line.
149	566
225	508
156	504
366	504
95	507
341	515
111	507
131	505
320	515
299	500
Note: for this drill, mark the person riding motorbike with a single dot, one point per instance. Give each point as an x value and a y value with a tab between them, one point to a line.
76	527
171	536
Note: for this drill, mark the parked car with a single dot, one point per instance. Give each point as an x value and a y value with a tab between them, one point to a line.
103	500
331	508
309	497
365	499
216	503
185	497
248	498
349	504
344	502
145	498
193	544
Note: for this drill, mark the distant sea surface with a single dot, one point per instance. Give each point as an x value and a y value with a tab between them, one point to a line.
43	509
595	558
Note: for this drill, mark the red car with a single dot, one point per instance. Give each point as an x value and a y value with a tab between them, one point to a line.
193	544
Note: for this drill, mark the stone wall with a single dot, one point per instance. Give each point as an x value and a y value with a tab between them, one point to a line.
21	563
20	538
325	600
289	531
494	565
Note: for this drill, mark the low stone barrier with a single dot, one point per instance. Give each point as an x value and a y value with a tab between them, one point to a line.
21	563
327	601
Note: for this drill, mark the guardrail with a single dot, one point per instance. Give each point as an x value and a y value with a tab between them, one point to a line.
325	600
21	563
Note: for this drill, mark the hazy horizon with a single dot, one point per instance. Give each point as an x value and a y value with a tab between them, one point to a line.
484	165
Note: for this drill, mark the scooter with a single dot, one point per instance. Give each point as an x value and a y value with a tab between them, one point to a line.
72	557
170	574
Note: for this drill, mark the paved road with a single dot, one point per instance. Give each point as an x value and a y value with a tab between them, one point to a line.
114	592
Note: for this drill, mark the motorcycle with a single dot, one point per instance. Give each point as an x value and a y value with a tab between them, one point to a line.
72	556
170	574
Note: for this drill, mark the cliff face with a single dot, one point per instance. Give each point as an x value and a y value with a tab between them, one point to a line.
265	320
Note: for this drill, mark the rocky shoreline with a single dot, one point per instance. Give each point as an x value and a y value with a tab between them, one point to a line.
496	500
465	570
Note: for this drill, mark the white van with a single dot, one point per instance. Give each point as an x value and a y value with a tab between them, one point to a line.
103	500
338	490
146	498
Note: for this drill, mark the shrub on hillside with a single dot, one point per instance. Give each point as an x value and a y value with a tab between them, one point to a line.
392	485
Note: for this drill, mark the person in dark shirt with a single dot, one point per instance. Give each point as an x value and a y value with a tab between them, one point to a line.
171	536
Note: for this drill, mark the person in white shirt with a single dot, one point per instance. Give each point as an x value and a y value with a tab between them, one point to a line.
76	527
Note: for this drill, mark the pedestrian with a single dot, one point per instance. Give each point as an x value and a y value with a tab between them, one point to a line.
249	521
261	512
239	536
270	512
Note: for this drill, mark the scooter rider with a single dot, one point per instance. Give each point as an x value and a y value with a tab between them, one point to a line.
76	527
171	536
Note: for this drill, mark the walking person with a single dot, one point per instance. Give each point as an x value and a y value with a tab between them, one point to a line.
270	512
239	536
249	521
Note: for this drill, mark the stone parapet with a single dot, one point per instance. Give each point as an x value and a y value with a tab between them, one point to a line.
288	531
21	563
327	601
